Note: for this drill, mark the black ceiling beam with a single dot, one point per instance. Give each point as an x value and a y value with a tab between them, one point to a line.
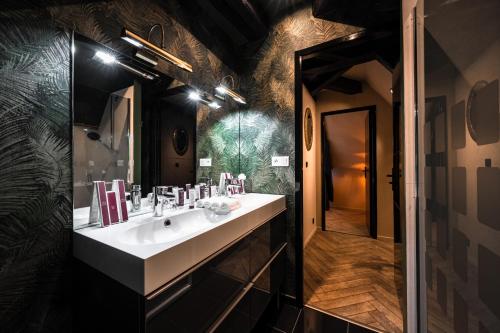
361	13
345	43
220	19
324	80
338	65
249	15
346	86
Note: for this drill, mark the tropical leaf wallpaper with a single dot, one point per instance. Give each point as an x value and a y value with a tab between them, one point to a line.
35	132
35	140
268	123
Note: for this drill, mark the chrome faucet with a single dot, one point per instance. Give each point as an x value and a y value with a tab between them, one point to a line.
158	200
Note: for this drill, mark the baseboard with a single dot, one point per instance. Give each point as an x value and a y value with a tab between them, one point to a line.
347	208
309	237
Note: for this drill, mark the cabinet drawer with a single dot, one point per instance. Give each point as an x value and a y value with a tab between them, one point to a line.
265	241
245	315
196	301
265	286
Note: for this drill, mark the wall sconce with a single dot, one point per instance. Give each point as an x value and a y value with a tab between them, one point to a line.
223	89
205	99
142	43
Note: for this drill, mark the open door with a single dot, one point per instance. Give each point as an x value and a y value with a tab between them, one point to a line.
370	173
367	172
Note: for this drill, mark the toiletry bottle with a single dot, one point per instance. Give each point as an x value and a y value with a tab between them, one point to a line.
197	189
202	191
188	191
192	195
136	196
180	198
213	191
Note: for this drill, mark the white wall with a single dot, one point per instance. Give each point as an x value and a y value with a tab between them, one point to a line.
346	136
309	177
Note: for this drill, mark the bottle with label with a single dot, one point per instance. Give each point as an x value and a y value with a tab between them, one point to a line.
135	197
192	195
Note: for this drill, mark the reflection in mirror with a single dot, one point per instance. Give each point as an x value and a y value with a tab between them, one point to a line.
180	140
130	122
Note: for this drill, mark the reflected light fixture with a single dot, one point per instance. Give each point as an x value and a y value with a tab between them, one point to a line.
139	42
214	105
223	89
109	59
105	57
203	98
194	96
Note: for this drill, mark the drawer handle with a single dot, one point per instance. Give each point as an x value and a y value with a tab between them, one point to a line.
153	312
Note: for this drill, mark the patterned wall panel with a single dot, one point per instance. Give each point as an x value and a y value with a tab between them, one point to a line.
35	140
267	124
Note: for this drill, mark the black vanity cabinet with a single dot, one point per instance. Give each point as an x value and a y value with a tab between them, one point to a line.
226	293
267	271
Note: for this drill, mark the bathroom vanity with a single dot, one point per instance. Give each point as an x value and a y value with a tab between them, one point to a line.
188	271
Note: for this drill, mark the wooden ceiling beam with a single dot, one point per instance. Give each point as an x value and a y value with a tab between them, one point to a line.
338	65
346	86
324	80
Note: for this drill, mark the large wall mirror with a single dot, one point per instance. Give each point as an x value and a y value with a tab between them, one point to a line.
130	122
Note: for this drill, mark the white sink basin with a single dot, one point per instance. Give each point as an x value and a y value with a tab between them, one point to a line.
156	230
144	254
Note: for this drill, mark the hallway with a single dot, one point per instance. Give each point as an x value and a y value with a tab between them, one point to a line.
355	278
347	221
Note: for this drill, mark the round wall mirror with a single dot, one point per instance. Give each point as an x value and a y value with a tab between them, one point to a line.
308	128
180	140
472	113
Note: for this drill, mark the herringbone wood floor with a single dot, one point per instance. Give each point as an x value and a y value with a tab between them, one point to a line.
357	278
347	221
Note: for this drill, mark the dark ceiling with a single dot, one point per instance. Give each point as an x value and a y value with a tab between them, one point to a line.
233	29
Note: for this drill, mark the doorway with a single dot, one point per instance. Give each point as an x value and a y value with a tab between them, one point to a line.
349	171
350	270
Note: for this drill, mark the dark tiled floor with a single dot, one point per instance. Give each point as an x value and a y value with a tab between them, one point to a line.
307	320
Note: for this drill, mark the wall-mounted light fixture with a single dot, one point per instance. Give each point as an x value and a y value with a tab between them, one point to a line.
223	90
110	59
204	98
141	43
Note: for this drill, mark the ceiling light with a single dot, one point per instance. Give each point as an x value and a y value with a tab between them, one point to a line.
105	57
137	40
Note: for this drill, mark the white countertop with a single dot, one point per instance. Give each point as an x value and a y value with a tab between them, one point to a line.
147	266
